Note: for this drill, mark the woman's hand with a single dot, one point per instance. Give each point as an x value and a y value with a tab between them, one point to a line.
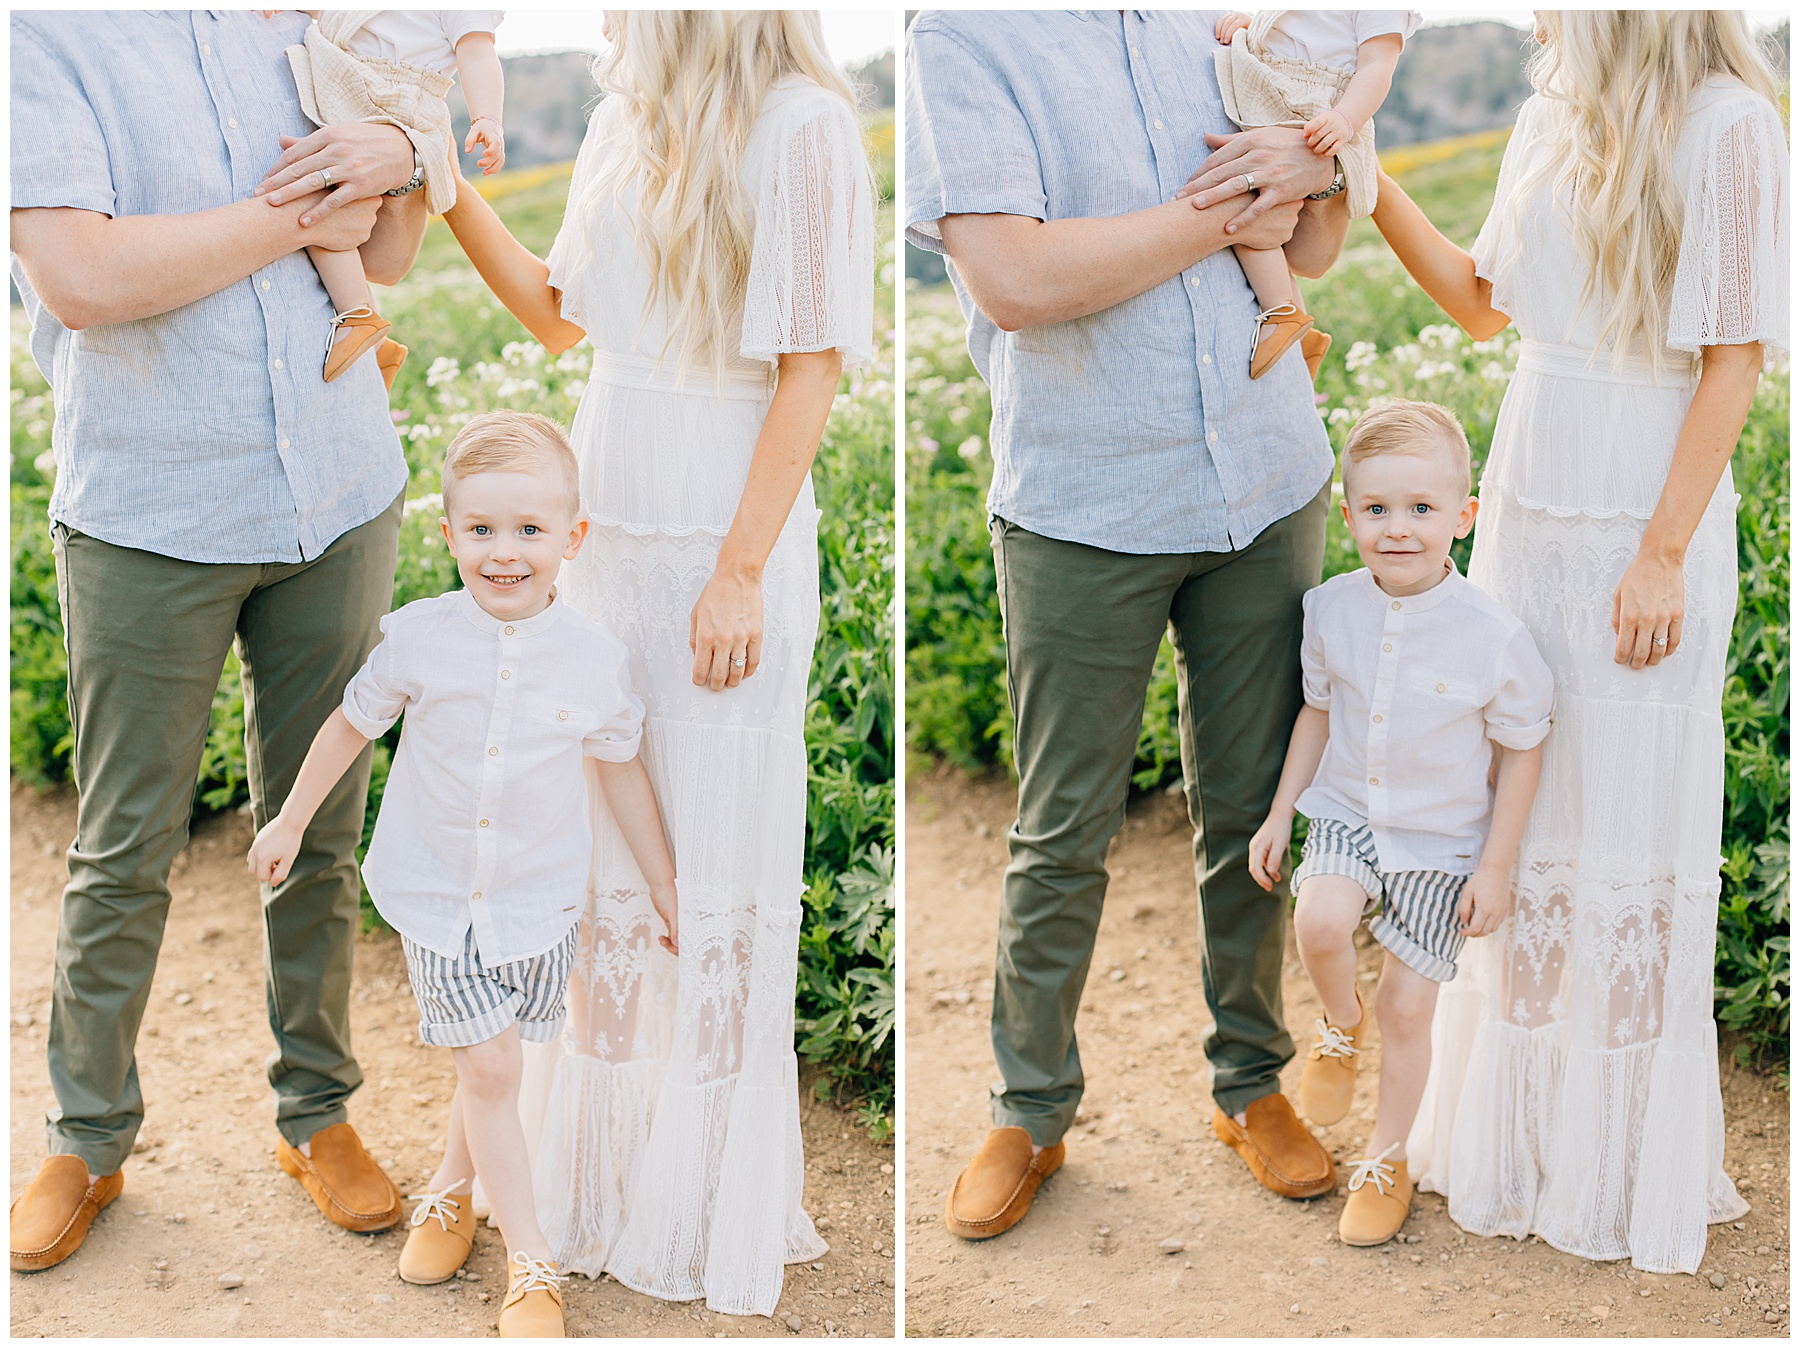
666	901
1647	611
725	631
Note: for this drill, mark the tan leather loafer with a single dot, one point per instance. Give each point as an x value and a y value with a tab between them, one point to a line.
343	1179
533	1307
1381	1193
51	1218
1275	1145
1328	1077
996	1188
443	1229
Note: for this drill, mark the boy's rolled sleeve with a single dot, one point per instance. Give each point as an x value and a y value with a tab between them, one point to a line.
621	727
1315	681
969	149
59	156
1518	714
374	698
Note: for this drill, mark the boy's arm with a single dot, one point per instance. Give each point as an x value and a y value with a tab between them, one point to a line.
1487	898
333	750
633	804
1376	61
1306	748
478	67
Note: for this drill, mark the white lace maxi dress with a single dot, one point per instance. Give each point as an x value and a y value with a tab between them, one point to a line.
1575	1088
664	1126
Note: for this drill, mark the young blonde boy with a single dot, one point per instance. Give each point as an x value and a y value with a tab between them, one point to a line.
1415	760
480	855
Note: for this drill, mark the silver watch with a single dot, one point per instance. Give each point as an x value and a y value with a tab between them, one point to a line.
1337	183
414	183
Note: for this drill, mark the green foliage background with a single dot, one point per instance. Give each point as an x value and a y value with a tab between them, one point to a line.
468	355
1390	341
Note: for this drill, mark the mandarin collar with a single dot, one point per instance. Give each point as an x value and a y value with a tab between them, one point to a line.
523	627
1417	603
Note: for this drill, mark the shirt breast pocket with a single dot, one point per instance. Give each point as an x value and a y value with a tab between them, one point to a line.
1446	696
561	719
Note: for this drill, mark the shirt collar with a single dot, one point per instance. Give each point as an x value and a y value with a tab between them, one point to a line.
1418	603
522	627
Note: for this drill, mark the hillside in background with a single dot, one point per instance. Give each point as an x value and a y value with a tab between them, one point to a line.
549	96
1455	79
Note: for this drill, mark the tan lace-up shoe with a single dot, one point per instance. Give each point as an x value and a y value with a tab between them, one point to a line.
996	1188
1313	346
343	1179
51	1218
443	1229
1381	1193
353	332
390	356
1328	1077
1277	330
533	1307
1283	1156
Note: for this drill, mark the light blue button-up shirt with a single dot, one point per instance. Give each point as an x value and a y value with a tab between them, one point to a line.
1138	428
206	433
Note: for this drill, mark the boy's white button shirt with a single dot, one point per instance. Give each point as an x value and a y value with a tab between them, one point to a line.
1416	688
485	820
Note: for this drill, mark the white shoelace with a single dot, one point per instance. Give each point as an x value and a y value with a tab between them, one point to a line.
1333	1042
1374	1168
437	1205
534	1274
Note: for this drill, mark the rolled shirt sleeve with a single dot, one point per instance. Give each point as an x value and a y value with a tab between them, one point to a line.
1315	682
969	149
375	697
59	156
1518	714
621	728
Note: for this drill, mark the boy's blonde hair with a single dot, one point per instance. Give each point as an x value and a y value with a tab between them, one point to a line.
1407	427
512	442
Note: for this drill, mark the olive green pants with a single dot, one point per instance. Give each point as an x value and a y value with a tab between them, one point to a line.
1082	628
147	637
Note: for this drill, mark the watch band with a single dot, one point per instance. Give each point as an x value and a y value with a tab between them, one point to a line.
414	183
1337	183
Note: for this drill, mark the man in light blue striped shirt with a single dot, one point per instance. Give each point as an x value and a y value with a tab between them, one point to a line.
1142	483
210	489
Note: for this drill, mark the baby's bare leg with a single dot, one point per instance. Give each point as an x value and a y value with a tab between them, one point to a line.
1267	271
1327	911
487	1090
1403	1006
344	279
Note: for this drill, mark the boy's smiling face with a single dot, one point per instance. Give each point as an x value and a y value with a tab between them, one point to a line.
510	533
1404	510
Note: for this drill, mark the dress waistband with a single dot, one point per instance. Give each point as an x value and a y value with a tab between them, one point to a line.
610	367
1578	362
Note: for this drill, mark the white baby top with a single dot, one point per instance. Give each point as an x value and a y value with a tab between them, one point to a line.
422	38
485	818
1330	37
1415	688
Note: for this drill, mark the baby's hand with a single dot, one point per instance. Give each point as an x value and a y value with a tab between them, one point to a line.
272	854
1268	849
487	133
667	904
1231	23
1328	131
1486	902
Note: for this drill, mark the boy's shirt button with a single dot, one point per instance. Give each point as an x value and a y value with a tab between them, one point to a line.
506	673
563	715
1440	688
1373	781
495	748
1396	605
484	822
509	630
1377	718
476	894
1387	645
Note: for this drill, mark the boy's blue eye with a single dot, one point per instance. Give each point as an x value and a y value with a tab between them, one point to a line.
481	531
529	530
1422	509
1376	510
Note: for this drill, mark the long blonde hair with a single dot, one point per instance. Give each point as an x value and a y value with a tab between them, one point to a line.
1618	84
692	82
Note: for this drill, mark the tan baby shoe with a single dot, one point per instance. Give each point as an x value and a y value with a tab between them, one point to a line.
1380	1197
1328	1077
1313	346
533	1307
352	333
443	1229
1277	330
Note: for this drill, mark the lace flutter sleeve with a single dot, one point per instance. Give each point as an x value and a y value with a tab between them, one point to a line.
1497	244
1731	283
572	254
812	267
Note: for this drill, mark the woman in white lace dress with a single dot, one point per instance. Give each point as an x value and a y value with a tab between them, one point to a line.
1639	241
718	250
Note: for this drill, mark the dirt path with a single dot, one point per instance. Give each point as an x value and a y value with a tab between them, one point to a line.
203	1197
1144	1168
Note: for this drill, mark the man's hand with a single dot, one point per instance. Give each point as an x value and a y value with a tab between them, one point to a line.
1276	158
1486	902
272	854
355	160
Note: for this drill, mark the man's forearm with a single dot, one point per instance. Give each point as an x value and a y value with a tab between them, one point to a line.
91	269
1024	273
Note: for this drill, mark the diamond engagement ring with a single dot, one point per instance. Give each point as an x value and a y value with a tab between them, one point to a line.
738	663
1659	641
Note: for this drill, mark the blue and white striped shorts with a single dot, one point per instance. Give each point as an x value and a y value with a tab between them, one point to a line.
1417	920
463	1002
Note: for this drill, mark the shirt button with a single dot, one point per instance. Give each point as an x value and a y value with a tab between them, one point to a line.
509	631
205	49
277	365
1377	718
506	673
1440	688
1396	603
1194	281
1373	781
494	749
485	822
1206	359
1213	436
231	122
563	715
265	285
1387	645
1159	125
284	442
476	894
1134	51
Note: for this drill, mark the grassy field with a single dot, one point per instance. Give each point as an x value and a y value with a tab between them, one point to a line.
1390	341
468	355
